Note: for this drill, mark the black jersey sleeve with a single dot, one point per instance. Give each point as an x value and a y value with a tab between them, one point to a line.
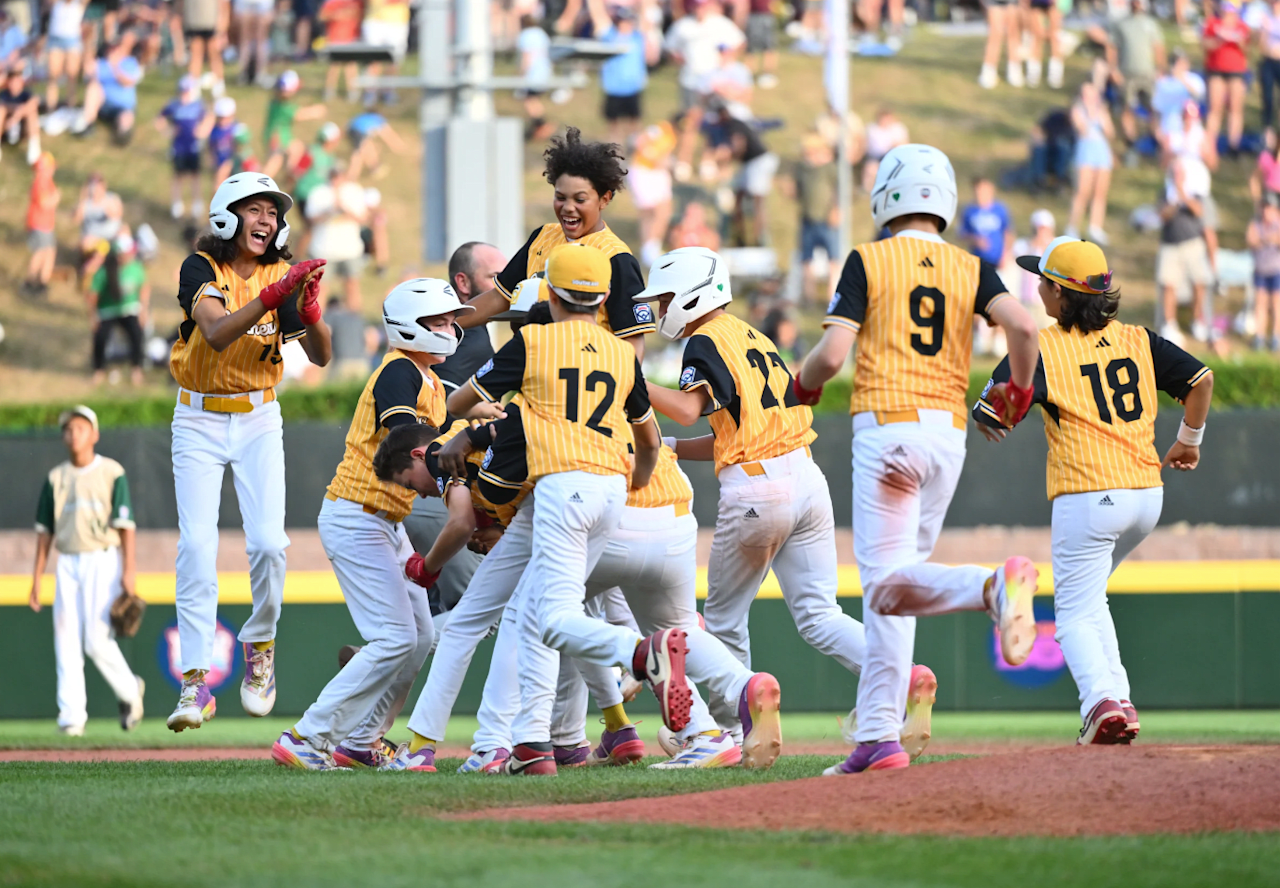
848	307
291	326
504	468
195	281
637	405
985	414
990	288
516	269
704	367
395	393
627	317
1177	372
502	373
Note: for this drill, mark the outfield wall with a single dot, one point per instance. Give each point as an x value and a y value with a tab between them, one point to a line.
1238	483
1208	643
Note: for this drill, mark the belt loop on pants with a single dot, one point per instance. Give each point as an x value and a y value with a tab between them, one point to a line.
242	403
368	510
924	417
753	469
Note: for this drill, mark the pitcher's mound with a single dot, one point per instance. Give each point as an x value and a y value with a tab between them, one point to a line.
1052	792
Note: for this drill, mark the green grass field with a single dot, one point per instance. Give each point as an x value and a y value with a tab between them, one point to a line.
251	823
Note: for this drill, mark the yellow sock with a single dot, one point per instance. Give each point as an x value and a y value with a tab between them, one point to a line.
615	718
715	733
263	645
192	673
417	741
294	732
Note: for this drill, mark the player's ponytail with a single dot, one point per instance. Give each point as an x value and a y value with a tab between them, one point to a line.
111	274
1088	311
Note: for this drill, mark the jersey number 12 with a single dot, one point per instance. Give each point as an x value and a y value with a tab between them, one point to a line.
595	379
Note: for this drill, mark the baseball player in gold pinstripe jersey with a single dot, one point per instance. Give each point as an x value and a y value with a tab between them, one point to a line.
384	582
908	302
241	300
1096	384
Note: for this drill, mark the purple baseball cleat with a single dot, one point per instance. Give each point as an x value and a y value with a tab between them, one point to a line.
620	747
887	755
360	758
572	756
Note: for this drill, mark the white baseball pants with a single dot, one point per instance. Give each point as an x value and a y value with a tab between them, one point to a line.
1092	534
577	513
904	476
778	516
87	584
390	612
577	677
204	444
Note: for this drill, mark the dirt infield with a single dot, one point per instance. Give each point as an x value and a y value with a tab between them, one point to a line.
1046	792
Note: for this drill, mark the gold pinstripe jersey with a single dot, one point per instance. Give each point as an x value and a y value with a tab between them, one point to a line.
397	392
478	461
911	300
1097	391
619	314
582	387
668	486
253	361
753	408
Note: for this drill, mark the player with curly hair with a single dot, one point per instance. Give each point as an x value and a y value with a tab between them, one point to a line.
585	176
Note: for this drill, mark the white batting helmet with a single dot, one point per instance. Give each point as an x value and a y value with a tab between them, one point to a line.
411	303
914	179
226	224
697	278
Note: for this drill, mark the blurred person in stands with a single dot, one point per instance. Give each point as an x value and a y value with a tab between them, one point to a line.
649	181
1135	54
65	48
1004	27
780	326
100	214
1265	180
204	25
1190	148
694	42
112	95
341	19
13	38
1226	63
986	227
761	28
1263	238
386	24
754	180
1177	86
692	230
119	296
1026	284
364	132
243	159
534	46
314	167
869	13
42	207
1264	20
20	113
1043	19
304	23
624	77
146	19
1183	260
1052	147
374	233
222	138
189	124
730	85
336	211
1093	160
254	19
283	150
884	134
815	190
346	329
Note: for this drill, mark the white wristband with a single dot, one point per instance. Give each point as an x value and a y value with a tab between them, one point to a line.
1189	436
670	442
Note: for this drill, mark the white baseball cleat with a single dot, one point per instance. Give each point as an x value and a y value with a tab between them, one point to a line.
704	752
1010	595
131	710
258	690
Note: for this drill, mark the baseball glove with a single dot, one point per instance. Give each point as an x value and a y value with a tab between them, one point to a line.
126	614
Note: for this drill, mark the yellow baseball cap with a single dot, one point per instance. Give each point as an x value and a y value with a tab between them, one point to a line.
1075	264
578	273
81	411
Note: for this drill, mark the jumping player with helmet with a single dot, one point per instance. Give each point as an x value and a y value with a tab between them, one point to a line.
240	300
775	510
384	582
1096	384
908	302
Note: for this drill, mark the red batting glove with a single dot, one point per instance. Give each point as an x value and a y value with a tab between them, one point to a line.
483	518
416	569
1010	401
804	395
309	305
272	296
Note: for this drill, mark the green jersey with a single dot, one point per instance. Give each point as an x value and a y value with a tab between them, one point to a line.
124	300
280	114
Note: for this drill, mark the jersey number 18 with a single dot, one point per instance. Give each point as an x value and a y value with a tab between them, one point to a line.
1118	389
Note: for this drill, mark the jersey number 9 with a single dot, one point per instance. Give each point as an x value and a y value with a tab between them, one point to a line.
934	322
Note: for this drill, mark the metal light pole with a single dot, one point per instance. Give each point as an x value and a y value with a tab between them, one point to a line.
836	75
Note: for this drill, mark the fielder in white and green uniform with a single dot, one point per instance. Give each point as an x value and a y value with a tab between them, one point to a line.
84	508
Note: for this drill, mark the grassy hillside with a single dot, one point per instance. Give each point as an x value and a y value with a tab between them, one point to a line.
45	353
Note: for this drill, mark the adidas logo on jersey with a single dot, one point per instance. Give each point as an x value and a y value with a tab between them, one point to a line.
751	513
1105	501
575	499
1102	343
590	348
898	451
926	262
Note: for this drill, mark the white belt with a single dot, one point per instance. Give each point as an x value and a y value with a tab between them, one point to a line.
870	419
